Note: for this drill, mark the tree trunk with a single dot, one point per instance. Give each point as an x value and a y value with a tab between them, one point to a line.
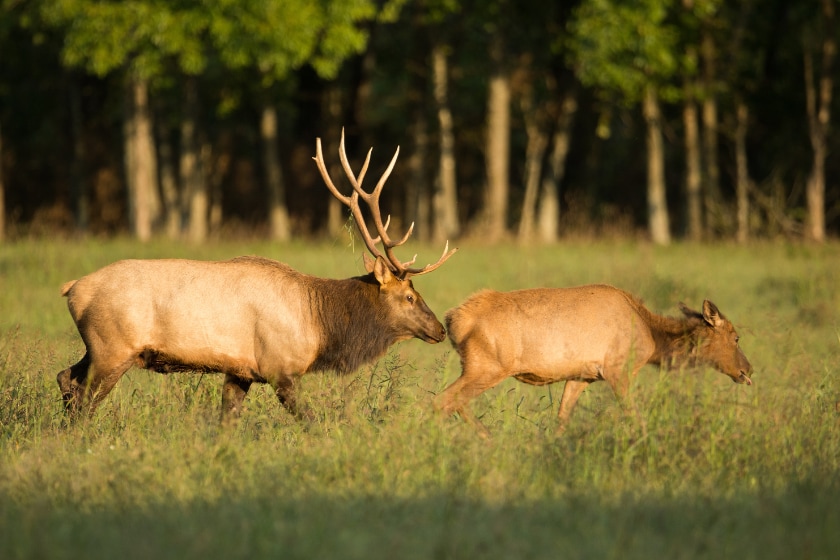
742	179
2	192
711	175
208	179
497	151
658	222
417	207
278	213
169	185
335	209
693	173
78	185
221	164
445	200
534	154
549	203
363	93
141	163
818	98
192	175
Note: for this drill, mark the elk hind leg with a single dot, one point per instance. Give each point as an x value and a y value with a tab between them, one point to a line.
571	392
72	382
102	376
233	394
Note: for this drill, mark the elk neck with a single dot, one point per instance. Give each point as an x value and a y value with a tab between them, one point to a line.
676	339
354	324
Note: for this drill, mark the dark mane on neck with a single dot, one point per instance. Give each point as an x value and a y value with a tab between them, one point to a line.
355	330
674	336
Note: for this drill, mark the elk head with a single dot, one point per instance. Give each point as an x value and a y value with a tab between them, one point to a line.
717	343
407	310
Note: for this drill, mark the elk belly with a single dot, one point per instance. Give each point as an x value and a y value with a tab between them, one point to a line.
583	371
203	361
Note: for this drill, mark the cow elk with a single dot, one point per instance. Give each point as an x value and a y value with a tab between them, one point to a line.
251	318
578	335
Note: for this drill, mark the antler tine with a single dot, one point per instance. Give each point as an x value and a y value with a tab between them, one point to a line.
372	198
430	267
402	269
319	160
389	246
356	183
345	163
386	174
406	236
372	201
351	201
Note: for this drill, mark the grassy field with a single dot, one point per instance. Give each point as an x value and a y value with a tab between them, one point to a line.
708	469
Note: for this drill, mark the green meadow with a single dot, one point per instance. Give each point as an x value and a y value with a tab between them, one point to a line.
705	469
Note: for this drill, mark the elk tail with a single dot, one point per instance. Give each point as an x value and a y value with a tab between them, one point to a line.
458	325
65	288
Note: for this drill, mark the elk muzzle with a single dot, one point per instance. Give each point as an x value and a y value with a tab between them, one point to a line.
430	329
743	370
435	334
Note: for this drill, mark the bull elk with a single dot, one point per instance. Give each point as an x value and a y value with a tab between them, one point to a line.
251	318
578	335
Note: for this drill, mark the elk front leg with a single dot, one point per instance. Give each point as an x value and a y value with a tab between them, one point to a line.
285	389
233	394
620	379
456	397
571	392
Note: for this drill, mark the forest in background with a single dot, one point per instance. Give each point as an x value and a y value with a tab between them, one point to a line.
688	119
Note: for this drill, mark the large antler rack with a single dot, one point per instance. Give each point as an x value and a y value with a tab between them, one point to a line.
400	269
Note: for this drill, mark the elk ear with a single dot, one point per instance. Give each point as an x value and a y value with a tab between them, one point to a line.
689	312
381	272
368	262
711	314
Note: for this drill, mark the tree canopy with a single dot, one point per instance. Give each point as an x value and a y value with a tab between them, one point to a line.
728	106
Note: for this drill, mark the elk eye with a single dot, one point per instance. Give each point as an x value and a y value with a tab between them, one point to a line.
409	298
737	339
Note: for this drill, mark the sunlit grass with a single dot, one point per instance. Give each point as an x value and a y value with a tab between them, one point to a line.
700	467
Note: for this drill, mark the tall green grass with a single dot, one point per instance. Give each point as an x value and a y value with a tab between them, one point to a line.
706	468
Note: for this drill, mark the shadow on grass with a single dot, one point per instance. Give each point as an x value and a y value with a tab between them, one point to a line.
800	522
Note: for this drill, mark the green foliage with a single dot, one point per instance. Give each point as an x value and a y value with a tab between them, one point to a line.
438	11
623	46
700	468
60	158
105	36
271	36
341	37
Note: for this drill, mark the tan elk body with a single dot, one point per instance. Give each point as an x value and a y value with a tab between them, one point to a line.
578	335
251	318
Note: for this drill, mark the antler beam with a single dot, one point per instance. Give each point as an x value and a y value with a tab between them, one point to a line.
371	199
